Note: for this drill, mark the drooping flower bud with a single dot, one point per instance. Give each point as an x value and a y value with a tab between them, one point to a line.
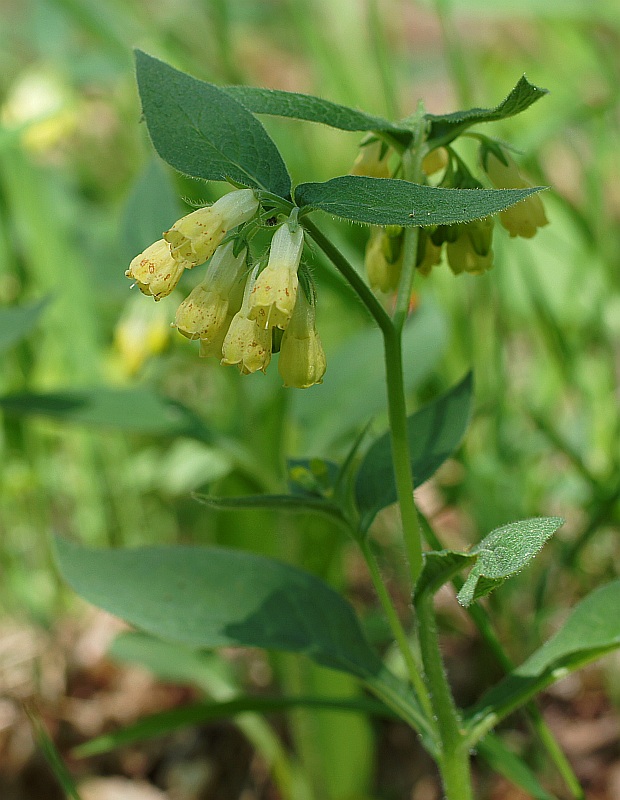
247	343
194	238
142	332
428	255
372	161
480	232
384	258
435	160
155	271
273	297
213	348
462	257
524	218
302	360
203	312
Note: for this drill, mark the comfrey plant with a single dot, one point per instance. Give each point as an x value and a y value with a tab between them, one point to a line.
425	206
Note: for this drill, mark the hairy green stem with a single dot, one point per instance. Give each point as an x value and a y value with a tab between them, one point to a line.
482	622
454	762
397	629
401	460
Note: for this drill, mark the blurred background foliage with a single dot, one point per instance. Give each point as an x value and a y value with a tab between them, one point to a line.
81	192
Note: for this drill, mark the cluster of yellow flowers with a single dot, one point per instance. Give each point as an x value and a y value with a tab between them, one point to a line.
468	246
233	314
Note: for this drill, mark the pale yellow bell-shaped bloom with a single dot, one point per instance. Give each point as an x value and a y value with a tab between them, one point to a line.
524	218
212	348
194	238
302	361
155	272
142	331
435	160
384	258
203	312
247	344
370	163
272	299
462	256
429	254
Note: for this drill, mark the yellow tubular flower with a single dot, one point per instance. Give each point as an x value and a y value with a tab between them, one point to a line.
383	259
462	256
525	217
247	343
213	347
435	160
194	238
429	254
155	272
273	297
302	360
202	314
370	163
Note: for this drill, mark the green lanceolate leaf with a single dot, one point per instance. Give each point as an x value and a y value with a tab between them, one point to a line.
444	128
293	504
134	410
504	552
500	758
211	597
387	201
591	630
310	108
439	567
16	323
434	431
200	713
202	131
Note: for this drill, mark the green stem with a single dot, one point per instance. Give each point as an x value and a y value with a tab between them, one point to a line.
397	629
482	622
401	460
454	763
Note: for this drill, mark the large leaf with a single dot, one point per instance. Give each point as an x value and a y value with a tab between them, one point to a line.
211	597
591	630
134	410
310	108
434	431
388	201
18	322
443	128
202	131
200	713
500	758
504	552
291	503
446	127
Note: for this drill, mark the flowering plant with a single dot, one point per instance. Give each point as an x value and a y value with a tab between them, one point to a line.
422	201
